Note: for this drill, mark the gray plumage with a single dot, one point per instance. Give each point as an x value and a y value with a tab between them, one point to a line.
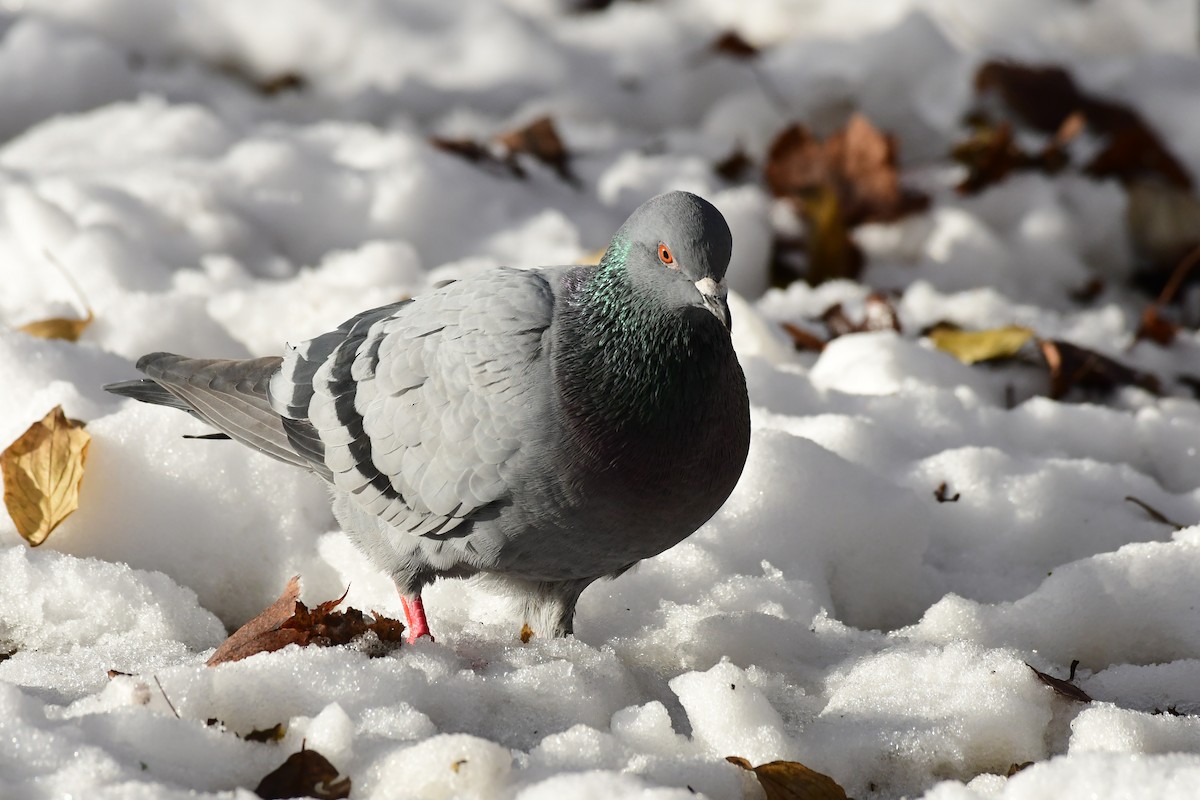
544	427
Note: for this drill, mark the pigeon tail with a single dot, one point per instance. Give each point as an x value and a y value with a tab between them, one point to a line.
230	395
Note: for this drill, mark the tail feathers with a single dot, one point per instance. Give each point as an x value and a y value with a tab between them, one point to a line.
230	395
147	392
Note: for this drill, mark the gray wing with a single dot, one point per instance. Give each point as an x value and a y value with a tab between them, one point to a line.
417	410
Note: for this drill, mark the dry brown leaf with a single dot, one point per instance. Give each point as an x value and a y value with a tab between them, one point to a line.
246	640
735	167
539	139
1063	688
991	153
289	621
858	163
790	780
878	315
802	339
59	327
304	774
526	633
942	494
1046	97
42	471
1073	366
1155	327
733	45
273	734
971	347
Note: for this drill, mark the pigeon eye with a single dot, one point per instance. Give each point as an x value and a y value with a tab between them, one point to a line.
664	255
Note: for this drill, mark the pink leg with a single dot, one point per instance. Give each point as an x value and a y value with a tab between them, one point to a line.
414	615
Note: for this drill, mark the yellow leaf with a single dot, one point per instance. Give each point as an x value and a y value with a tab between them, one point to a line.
58	328
970	347
832	254
791	780
42	472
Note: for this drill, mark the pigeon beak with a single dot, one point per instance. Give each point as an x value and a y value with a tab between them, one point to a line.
713	294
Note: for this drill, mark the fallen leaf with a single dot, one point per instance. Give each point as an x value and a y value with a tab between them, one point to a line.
268	86
1073	366
477	153
289	621
59	327
42	471
832	254
971	347
539	139
245	641
1061	687
272	734
733	45
1134	151
304	774
942	494
1046	97
790	780
878	315
1014	768
992	153
802	339
734	167
1041	96
1155	327
526	633
858	163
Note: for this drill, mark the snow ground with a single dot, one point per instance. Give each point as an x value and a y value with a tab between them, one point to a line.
832	613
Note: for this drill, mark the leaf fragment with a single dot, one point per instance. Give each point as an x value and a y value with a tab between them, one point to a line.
272	734
1061	687
971	347
43	470
791	780
1072	366
69	330
304	774
879	314
732	44
526	633
802	339
942	494
540	139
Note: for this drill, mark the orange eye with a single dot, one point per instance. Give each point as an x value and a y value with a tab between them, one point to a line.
664	255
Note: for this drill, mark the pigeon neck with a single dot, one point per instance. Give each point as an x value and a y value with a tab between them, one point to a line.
627	356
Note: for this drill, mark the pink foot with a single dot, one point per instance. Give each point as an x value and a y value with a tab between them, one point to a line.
414	615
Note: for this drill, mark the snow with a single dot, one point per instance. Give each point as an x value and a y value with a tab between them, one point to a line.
832	613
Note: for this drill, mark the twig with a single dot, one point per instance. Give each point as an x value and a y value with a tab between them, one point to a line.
1155	514
164	694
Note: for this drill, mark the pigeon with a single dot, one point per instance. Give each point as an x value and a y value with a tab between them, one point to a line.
539	428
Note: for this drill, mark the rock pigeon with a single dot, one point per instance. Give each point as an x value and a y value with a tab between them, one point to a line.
542	427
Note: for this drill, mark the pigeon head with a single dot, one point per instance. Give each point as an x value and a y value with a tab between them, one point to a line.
677	246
